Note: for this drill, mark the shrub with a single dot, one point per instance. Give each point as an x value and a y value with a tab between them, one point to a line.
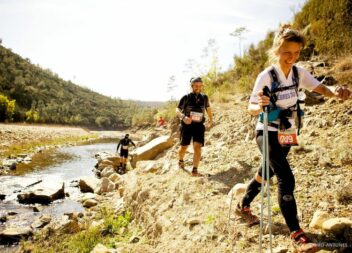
7	108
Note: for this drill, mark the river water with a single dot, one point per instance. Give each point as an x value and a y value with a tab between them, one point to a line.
67	164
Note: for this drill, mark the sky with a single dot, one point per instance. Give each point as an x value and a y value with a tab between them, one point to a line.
130	48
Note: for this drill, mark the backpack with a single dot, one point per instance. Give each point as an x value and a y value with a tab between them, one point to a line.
276	112
188	99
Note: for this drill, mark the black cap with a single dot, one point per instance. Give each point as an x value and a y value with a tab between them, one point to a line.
195	80
127	135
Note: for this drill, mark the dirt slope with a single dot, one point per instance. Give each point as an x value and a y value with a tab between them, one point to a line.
178	213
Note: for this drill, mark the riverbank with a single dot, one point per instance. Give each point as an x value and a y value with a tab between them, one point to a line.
173	212
19	142
22	138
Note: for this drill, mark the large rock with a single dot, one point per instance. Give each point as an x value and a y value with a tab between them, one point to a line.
14	234
88	184
42	221
116	178
337	226
150	150
66	225
43	193
319	218
114	159
105	185
147	166
237	191
90	203
107	172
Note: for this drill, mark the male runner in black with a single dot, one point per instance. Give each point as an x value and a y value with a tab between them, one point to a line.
191	111
124	143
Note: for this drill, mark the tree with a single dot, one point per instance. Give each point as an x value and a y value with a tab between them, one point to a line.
237	33
7	108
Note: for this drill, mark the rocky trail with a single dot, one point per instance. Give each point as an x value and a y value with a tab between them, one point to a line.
173	212
179	213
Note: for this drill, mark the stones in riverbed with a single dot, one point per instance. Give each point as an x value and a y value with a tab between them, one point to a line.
43	193
11	235
2	196
41	222
90	203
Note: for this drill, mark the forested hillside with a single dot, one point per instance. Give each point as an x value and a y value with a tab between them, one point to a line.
327	26
32	94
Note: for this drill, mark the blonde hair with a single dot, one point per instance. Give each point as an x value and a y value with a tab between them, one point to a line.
285	33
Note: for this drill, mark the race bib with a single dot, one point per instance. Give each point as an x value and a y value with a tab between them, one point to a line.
196	116
124	147
288	137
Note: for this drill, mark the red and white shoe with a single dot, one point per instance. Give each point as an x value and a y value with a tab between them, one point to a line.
301	242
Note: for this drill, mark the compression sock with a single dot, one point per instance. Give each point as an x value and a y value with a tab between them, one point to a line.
252	191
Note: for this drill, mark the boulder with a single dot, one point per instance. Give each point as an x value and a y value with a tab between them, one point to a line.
150	150
107	172
90	203
113	159
43	193
88	184
66	226
41	222
107	162
105	185
14	234
86	196
319	218
237	191
115	178
147	166
337	226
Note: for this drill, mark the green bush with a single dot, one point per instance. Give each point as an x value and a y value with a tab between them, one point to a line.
32	116
7	108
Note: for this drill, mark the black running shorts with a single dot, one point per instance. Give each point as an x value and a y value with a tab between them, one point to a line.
124	153
194	131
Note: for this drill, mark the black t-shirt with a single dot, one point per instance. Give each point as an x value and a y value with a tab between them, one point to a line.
194	103
124	143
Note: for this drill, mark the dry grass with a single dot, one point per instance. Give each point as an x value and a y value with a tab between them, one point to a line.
343	71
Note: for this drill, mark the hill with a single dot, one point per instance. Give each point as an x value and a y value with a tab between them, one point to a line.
42	96
327	26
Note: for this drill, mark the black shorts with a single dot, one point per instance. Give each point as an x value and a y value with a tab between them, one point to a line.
193	131
124	153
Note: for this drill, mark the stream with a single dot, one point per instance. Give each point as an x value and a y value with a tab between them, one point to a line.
67	164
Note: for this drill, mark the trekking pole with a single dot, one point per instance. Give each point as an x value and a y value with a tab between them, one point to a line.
265	174
229	217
